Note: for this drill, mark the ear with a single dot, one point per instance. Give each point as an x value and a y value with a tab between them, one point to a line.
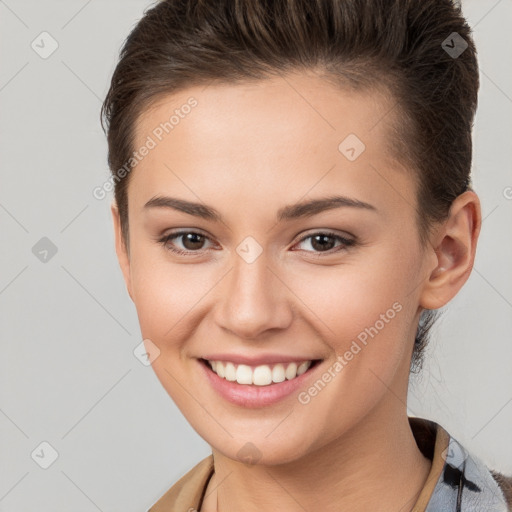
455	247
121	249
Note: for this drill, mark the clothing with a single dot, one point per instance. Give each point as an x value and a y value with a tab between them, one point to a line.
457	482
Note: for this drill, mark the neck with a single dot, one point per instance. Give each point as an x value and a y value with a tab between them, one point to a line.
377	465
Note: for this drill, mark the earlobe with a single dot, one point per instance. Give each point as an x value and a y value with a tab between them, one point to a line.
455	250
121	250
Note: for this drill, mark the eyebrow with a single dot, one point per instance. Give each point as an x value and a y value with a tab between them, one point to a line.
303	209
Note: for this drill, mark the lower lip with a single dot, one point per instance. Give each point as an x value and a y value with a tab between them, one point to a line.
252	396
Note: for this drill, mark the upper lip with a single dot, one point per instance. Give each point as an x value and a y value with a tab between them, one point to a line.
258	360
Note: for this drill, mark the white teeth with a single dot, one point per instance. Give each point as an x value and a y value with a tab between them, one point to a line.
230	372
243	374
291	371
303	367
278	373
262	375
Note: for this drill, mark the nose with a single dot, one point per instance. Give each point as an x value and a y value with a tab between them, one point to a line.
254	299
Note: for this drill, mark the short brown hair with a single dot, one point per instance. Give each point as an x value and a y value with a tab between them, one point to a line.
401	44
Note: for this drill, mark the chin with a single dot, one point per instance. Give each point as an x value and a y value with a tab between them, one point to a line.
263	454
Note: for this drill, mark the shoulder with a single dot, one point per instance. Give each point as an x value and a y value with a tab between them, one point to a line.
462	480
469	484
187	493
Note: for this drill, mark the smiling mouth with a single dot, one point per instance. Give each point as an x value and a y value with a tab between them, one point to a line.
261	375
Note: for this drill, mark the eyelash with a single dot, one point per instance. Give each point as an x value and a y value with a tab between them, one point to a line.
346	242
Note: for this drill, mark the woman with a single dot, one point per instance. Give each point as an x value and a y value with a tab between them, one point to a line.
292	204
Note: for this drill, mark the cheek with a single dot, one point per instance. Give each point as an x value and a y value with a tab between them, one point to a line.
166	298
365	320
164	295
368	288
363	311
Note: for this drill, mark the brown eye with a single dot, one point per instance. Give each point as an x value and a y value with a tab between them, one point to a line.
326	242
191	242
322	242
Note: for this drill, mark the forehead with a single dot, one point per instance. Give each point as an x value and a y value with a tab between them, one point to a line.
277	135
291	107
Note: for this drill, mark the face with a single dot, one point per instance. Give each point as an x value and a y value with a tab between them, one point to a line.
262	273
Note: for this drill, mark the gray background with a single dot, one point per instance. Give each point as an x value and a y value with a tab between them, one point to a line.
68	328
